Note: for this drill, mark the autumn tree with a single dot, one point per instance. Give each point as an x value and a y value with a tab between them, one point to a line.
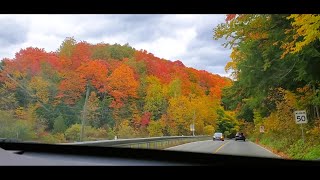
87	91
67	47
93	112
59	125
155	129
122	85
155	101
306	30
179	111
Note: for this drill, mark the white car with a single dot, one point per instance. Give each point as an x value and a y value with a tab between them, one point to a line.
218	136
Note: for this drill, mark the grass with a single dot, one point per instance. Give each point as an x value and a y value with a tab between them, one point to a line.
289	148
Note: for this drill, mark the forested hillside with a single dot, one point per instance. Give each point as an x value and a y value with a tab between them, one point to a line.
89	91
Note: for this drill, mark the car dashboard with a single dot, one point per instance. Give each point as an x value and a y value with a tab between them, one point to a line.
37	154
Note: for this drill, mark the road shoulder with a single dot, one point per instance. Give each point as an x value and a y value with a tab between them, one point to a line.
269	150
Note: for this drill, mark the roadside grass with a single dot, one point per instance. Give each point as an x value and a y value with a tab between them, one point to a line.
290	149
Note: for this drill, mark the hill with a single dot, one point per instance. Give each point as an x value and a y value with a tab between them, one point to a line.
111	89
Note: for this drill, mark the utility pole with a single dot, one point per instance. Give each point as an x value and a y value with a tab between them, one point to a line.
302	133
84	113
194	116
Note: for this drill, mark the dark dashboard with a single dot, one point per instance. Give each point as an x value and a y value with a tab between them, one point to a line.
35	154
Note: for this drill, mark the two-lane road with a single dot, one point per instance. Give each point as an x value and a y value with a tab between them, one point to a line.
229	147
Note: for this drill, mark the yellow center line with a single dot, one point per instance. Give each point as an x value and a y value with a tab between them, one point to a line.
221	147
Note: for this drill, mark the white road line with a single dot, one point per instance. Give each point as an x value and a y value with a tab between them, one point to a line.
265	149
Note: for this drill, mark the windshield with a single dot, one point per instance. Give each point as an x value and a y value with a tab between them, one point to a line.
164	80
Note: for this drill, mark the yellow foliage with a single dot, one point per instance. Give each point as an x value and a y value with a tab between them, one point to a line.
315	131
306	26
125	130
281	122
290	99
155	129
40	88
184	110
208	130
20	113
59	137
236	56
180	112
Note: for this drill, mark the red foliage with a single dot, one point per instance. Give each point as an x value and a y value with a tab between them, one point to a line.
81	54
179	63
145	119
74	84
29	61
230	17
161	68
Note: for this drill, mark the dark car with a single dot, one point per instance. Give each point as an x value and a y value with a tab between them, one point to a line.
240	136
218	136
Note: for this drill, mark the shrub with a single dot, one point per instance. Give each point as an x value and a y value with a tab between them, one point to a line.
73	132
155	129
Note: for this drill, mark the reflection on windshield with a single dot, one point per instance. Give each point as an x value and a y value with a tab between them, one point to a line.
266	104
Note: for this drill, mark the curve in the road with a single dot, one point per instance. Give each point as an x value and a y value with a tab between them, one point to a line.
229	147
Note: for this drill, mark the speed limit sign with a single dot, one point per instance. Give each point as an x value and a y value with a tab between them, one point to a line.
301	117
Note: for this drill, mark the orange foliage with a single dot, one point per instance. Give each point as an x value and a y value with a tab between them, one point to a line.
71	88
94	71
122	85
74	84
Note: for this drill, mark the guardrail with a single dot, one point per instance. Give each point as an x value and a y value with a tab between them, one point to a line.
149	143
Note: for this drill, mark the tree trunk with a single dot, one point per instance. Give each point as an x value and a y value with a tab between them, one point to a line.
316	108
84	113
317	112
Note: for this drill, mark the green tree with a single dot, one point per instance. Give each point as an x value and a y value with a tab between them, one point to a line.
155	101
119	52
101	51
67	47
59	125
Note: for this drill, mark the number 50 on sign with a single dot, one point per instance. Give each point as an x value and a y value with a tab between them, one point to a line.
301	117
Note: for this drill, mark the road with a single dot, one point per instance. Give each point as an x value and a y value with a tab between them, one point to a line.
229	147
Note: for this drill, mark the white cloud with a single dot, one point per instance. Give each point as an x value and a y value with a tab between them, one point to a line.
170	48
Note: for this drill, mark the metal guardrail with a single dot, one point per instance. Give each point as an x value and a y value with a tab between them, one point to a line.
149	143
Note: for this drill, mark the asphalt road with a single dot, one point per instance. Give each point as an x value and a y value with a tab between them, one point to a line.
229	147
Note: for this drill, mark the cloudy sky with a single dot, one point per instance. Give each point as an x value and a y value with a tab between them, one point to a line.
174	37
